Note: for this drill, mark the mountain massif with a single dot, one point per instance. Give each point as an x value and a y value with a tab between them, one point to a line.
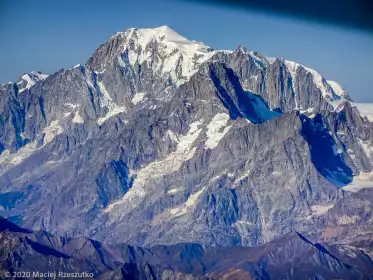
188	154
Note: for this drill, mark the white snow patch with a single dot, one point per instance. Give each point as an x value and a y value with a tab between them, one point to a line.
23	153
19	156
346	220
337	88
106	99
309	110
113	112
215	178
40	75
51	131
193	198
76	66
243	228
292	68
362	181
99	72
243	176
309	113
154	170
319	210
132	57
242	223
186	141
77	118
189	204
66	114
32	78
271	60
23	136
72	108
173	136
214	133
121	61
138	97
174	190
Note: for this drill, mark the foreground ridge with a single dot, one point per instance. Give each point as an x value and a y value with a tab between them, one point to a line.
40	252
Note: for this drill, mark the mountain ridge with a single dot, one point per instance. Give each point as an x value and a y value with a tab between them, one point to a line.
59	254
163	32
333	91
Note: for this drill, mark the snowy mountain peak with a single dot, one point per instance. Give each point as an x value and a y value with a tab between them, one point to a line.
28	80
171	57
162	48
165	35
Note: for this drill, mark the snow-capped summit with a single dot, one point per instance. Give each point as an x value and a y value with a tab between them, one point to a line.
173	50
167	56
169	37
163	48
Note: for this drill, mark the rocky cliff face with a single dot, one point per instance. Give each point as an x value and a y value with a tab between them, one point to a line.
162	140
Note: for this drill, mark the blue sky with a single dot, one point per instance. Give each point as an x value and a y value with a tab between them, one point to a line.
50	35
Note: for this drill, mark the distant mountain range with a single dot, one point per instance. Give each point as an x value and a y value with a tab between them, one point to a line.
290	257
159	141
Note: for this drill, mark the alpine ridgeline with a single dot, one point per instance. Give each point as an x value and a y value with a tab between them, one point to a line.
159	140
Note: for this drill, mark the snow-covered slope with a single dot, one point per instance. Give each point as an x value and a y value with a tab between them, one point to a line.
337	88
